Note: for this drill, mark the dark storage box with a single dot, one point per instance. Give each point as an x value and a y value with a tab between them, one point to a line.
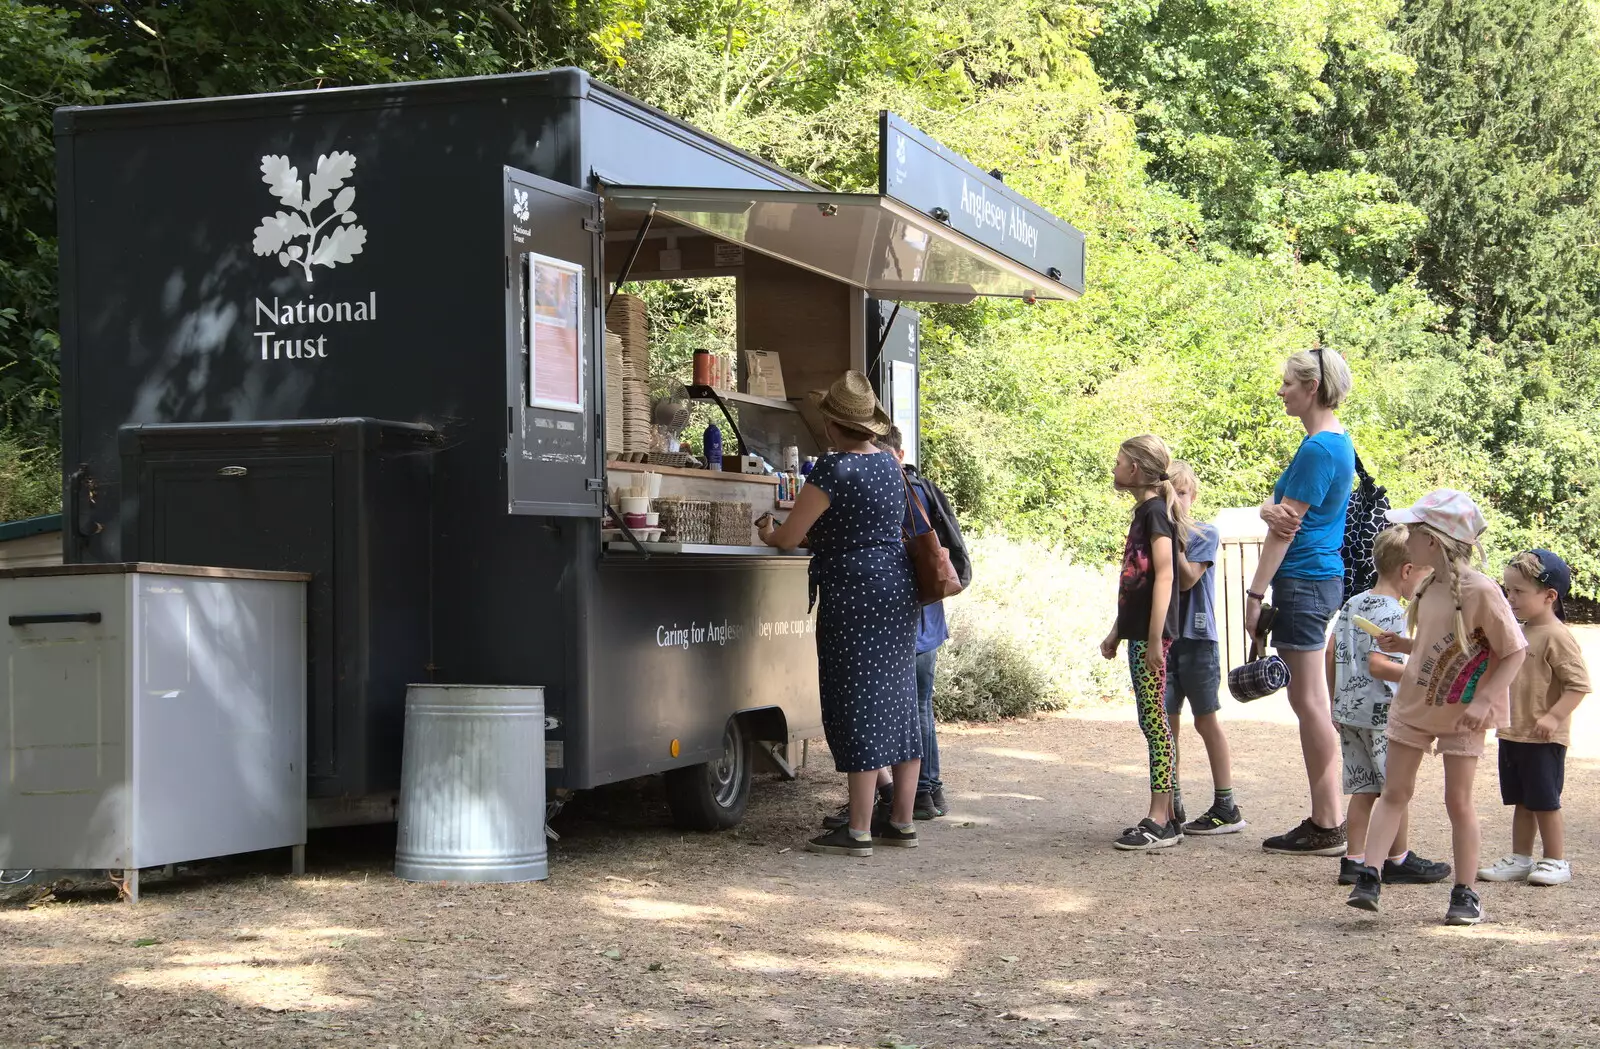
348	500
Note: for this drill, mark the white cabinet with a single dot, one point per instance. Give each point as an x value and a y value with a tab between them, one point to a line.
150	714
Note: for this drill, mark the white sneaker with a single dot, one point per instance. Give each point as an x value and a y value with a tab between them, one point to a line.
1508	868
1550	872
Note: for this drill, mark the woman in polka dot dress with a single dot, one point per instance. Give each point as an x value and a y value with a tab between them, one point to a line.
853	506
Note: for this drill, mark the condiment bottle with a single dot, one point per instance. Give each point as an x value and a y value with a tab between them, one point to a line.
713	447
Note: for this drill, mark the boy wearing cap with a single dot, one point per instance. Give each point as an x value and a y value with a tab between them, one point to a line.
1533	749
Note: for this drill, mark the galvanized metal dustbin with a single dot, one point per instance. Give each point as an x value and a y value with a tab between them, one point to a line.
472	785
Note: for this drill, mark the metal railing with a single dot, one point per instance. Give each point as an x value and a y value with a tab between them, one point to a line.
1236	566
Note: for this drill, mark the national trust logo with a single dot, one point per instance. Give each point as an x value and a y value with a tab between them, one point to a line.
297	236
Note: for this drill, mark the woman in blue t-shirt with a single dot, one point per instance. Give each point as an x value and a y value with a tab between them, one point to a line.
1302	560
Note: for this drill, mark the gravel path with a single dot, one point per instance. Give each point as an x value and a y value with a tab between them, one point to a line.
1015	923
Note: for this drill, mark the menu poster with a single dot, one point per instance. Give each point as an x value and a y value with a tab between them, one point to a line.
903	405
555	318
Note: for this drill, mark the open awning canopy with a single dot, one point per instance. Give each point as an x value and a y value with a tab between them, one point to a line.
869	240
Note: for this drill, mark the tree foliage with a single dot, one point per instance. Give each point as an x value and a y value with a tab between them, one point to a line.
1411	179
43	64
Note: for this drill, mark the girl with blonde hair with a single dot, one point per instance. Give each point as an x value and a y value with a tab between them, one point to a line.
1465	648
1147	618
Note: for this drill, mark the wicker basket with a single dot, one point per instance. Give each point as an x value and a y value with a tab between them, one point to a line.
686	520
730	524
677	459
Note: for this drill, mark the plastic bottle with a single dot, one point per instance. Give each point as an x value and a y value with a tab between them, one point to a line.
713	447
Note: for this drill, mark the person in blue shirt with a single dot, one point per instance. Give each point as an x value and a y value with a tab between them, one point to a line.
1301	559
932	630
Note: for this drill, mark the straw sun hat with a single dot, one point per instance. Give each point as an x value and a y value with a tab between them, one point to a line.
850	402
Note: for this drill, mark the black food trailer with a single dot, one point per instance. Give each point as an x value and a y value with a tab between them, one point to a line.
359	333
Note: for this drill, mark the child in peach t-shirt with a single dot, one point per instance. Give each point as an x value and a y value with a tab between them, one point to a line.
1533	748
1464	652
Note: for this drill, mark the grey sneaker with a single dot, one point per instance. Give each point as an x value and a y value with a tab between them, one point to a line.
1149	835
1217	820
1465	907
1308	839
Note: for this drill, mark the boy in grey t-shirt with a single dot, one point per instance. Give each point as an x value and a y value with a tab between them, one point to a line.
1362	681
1194	665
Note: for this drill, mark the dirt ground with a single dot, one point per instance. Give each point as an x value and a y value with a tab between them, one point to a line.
1014	923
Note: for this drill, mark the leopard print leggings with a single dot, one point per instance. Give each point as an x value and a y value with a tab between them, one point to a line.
1149	694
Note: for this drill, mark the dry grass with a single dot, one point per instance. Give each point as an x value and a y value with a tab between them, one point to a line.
1042	607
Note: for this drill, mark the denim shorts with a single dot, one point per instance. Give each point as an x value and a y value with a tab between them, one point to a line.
1305	608
1194	672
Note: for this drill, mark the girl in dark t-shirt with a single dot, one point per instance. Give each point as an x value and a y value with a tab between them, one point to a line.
1147	618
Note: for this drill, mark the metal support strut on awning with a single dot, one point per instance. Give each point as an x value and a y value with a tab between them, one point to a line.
709	393
633	256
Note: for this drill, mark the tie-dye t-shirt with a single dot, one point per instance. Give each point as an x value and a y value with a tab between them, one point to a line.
1136	587
1440	679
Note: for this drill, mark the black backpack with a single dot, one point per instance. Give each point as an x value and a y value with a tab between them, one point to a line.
1363	520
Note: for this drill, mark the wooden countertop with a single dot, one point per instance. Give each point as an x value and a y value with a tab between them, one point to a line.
703	475
149	568
622	546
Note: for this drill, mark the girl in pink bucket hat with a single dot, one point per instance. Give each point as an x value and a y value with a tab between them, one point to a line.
1466	649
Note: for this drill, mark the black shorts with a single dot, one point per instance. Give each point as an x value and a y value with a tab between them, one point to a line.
1531	774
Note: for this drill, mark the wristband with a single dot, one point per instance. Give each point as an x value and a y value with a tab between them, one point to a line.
1252	593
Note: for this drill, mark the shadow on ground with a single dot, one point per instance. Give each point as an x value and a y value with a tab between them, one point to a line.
1013	924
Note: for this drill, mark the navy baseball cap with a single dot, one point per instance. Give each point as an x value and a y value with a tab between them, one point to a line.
1555	574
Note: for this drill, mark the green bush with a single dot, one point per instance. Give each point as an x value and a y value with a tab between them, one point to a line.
29	483
1026	636
985	675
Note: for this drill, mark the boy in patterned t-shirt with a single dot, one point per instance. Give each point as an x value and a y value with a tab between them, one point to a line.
1362	681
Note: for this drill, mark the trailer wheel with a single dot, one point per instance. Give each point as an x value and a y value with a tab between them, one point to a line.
713	794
